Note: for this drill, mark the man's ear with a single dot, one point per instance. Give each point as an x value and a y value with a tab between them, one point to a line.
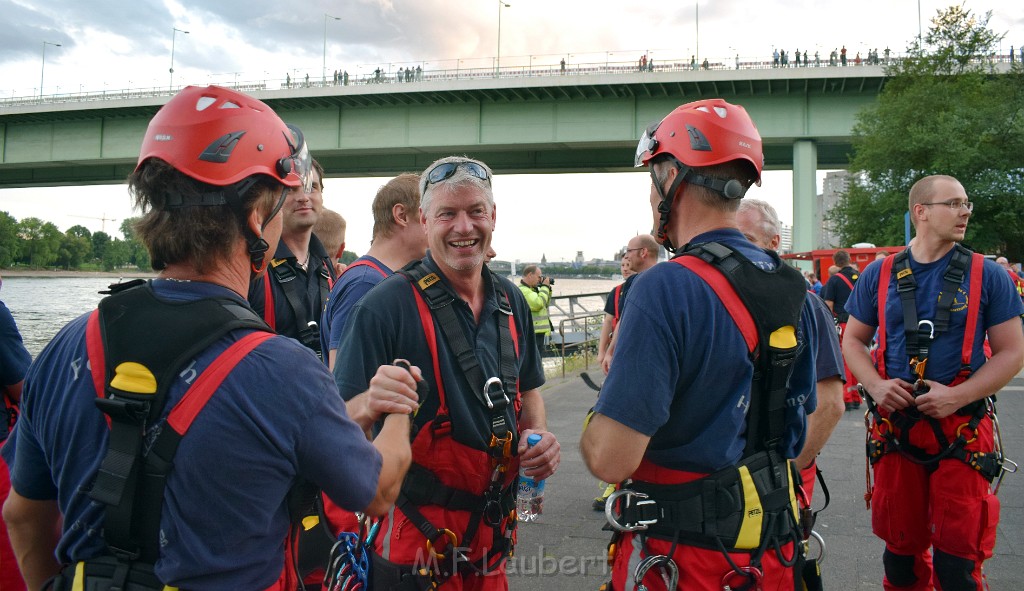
399	214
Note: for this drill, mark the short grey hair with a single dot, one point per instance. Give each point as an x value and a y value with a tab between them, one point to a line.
460	178
769	218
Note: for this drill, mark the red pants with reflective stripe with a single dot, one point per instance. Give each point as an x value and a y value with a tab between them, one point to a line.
949	509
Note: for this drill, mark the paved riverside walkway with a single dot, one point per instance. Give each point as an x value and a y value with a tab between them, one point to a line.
565	550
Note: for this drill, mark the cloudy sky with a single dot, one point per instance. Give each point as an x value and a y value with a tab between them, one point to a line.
112	44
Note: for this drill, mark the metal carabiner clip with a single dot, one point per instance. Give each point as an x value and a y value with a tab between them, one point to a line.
650	562
489	387
931	327
613	519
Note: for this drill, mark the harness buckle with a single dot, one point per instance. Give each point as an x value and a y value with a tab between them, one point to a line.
613	519
489	387
974	434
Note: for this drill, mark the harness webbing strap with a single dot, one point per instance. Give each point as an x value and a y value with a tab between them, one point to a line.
618	312
269	313
427	321
727	293
845	279
973	307
195	399
883	294
364	263
97	357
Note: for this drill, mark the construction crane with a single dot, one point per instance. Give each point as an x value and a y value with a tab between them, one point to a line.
103	220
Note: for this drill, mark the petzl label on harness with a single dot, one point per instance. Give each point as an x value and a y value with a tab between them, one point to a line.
903	273
753	515
276	262
428	280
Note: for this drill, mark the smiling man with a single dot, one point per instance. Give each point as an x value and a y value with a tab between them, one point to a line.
291	297
469	333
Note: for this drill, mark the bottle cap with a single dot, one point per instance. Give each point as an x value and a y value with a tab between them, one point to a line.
533	439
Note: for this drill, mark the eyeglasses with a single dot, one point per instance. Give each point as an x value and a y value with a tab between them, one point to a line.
445	170
954	204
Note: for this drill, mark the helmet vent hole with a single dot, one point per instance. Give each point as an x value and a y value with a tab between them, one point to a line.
721	112
229	105
204	101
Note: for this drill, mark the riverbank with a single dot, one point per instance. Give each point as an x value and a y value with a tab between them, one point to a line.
63	273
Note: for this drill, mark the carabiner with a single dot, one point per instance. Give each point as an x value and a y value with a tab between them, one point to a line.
747	574
650	562
613	520
488	386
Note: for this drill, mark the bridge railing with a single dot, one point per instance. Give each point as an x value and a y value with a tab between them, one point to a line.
448	70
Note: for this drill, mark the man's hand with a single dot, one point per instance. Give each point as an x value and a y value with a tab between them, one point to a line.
892	395
541	460
940	401
393	390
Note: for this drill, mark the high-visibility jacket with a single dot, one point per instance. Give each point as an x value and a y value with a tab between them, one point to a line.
537	298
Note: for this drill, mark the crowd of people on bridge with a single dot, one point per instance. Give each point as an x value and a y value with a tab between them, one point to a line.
259	416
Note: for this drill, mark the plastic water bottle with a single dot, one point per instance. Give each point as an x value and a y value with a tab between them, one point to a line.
530	494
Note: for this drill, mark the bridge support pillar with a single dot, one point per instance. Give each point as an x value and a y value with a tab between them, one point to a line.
805	195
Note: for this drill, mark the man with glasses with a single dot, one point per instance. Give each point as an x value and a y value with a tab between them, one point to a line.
931	443
467	334
641	254
292	295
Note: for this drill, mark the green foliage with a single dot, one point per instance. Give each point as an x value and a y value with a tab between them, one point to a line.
40	242
74	250
348	256
8	239
100	242
943	111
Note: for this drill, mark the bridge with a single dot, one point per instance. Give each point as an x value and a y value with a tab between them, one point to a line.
583	120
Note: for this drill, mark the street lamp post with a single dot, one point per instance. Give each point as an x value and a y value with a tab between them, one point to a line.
497	63
174	31
42	69
324	70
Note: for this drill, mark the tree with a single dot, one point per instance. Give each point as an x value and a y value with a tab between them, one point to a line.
40	241
137	253
100	242
943	110
116	254
8	239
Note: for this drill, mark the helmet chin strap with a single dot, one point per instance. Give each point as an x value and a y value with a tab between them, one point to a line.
665	205
257	246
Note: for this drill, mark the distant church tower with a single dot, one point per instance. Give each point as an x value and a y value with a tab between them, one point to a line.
543	259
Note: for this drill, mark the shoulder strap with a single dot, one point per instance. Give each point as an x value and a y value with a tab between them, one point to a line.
137	372
845	279
766	306
440	302
617	295
883	294
973	308
365	263
307	331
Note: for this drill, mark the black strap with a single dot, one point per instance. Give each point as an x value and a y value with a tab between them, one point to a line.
127	477
919	335
442	306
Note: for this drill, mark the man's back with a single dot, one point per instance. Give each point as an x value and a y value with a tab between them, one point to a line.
838	289
224	516
675	340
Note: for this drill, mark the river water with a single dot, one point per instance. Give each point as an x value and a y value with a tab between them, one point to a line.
42	305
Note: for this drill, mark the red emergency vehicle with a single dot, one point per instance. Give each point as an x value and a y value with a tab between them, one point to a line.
822	259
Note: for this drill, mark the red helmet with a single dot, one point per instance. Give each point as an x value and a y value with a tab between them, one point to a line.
704	133
220	137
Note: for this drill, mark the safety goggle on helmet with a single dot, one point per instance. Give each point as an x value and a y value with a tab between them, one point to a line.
221	137
704	133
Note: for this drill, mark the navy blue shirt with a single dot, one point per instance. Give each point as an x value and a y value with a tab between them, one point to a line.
828	360
837	291
682	374
14	358
276	417
318	275
999	303
385	325
358	279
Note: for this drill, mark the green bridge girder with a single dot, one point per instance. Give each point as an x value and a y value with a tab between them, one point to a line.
518	125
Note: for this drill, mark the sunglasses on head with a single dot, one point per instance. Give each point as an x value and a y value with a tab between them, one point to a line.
445	171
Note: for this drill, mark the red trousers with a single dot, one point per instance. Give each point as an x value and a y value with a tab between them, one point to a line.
10	576
939	525
850	393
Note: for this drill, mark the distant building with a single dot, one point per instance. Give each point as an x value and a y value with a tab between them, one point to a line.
785	238
836	185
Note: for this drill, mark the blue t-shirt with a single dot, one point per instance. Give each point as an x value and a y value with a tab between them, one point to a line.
828	357
275	418
999	303
682	374
351	286
386	326
14	358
